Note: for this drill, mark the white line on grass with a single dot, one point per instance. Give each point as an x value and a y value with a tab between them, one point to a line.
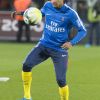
4	79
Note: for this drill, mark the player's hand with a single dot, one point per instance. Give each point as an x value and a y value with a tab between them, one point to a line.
66	45
13	14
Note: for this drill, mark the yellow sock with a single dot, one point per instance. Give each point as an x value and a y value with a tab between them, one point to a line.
27	79
64	93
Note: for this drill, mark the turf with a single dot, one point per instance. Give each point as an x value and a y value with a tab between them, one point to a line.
83	74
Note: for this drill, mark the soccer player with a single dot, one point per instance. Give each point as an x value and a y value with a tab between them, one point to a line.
59	19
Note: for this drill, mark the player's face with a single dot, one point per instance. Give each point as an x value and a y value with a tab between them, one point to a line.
57	3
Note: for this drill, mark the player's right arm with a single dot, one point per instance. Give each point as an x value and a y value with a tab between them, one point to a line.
43	9
78	24
14	13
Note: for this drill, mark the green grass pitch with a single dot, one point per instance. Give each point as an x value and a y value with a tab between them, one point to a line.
83	74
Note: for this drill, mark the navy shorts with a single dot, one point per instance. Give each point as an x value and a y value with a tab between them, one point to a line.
41	53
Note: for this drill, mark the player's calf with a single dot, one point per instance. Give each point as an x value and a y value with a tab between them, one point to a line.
61	82
63	89
26	68
64	92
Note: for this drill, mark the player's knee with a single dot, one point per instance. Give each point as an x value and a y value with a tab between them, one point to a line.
26	68
61	82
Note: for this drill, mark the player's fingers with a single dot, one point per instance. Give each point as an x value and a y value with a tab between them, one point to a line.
64	46
13	14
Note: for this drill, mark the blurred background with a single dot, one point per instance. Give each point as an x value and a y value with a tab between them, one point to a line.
88	10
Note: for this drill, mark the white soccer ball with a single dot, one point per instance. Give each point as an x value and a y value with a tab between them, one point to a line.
32	16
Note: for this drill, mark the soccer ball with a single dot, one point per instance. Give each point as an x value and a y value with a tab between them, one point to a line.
32	16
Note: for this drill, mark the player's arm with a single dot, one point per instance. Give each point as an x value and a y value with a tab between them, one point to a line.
14	13
78	24
43	9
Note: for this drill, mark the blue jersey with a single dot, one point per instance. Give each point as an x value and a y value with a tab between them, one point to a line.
58	23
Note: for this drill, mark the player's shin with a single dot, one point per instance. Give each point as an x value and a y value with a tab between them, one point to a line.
64	92
27	79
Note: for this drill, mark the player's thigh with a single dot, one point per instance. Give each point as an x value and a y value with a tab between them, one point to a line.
36	56
60	60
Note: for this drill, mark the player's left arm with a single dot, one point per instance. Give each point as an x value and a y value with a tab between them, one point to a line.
78	24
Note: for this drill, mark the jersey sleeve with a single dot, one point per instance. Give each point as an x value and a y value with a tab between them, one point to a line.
43	9
78	24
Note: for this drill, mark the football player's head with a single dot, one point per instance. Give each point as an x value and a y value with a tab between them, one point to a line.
58	3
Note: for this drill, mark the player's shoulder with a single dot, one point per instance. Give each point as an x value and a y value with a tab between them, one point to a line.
70	11
48	3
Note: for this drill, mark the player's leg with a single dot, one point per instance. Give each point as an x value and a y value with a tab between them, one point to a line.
97	32
20	30
27	32
60	60
36	56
